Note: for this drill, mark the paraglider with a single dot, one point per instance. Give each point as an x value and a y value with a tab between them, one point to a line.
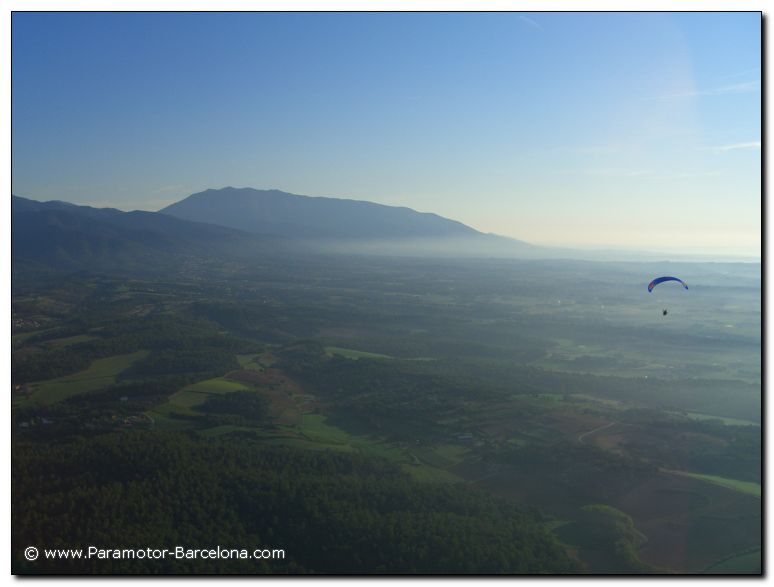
658	280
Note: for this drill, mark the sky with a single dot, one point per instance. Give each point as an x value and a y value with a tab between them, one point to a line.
636	131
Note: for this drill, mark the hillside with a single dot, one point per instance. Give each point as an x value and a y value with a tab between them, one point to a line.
66	236
280	213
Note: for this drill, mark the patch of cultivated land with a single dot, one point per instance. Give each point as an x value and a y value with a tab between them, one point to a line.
22	336
354	354
100	374
216	385
294	420
69	340
268	378
314	432
727	421
183	402
186	398
689	520
278	390
748	487
286	399
314	428
534	418
690	523
250	362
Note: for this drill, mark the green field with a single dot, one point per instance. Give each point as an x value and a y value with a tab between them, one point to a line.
611	403
182	402
22	336
314	429
68	340
249	362
101	373
371	447
742	486
353	354
217	385
726	421
315	433
427	474
187	399
441	456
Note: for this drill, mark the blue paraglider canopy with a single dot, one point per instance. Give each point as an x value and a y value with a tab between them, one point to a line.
658	280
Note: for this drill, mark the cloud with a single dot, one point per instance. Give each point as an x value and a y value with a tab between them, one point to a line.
745	73
530	22
737	146
688	175
740	88
748	146
643	174
610	172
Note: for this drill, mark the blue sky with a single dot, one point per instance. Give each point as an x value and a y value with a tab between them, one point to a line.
625	130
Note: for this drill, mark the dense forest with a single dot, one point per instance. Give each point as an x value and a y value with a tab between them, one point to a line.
331	513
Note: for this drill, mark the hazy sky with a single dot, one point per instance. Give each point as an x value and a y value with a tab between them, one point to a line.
637	130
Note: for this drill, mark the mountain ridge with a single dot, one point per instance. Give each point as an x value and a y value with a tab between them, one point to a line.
282	213
68	236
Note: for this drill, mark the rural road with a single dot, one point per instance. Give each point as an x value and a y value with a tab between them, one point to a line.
597	429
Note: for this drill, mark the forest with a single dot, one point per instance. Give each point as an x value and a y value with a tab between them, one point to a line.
331	513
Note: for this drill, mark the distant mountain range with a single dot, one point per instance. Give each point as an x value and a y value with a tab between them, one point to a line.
67	236
356	226
245	223
233	222
345	226
273	212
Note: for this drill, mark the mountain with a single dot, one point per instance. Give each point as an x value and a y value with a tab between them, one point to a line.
67	236
248	224
339	225
63	236
273	212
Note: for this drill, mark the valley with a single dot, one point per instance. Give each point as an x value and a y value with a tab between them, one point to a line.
456	374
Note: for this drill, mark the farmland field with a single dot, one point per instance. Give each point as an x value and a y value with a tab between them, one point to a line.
100	374
735	484
216	385
354	354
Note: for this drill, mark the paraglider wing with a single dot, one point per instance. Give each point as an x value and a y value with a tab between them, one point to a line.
658	280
